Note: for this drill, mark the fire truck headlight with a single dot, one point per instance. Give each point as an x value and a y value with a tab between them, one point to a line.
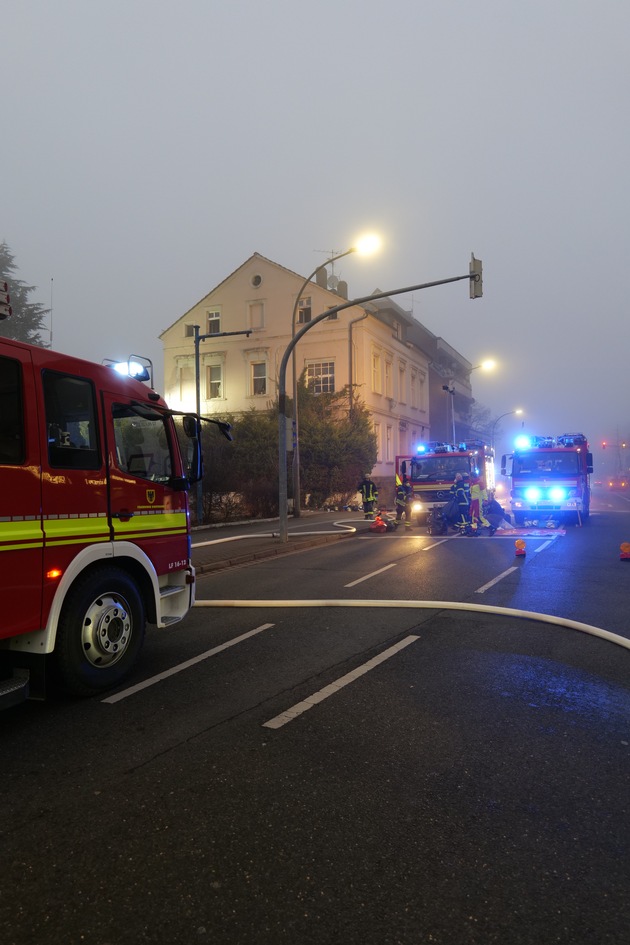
416	507
557	494
532	494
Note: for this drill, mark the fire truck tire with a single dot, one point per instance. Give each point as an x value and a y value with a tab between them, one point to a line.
100	632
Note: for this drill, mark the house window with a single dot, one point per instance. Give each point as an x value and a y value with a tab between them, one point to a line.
377	434
304	311
320	377
186	383
255	315
414	389
376	373
402	384
388	378
214	321
422	403
189	331
214	382
259	378
334	316
389	440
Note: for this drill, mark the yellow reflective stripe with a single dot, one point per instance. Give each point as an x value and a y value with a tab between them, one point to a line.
155	521
76	529
154	525
26	533
16	535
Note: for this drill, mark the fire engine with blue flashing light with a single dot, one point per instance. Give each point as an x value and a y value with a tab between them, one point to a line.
550	479
94	519
432	470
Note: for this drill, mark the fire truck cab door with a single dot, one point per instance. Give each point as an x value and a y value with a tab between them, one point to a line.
144	508
21	536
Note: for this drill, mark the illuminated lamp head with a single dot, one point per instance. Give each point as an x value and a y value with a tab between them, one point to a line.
132	369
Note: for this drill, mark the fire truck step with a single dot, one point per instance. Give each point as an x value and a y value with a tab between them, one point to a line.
169	589
15	689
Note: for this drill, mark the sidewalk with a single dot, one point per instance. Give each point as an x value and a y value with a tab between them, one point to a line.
218	547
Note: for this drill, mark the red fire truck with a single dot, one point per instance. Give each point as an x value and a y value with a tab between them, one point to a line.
550	478
432	470
94	519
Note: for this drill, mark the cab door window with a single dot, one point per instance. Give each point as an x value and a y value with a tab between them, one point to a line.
11	413
142	444
71	428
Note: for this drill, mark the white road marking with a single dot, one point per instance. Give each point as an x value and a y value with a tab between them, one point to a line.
289	714
373	573
118	696
495	580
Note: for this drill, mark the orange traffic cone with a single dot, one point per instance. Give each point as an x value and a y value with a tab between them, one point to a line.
625	551
519	546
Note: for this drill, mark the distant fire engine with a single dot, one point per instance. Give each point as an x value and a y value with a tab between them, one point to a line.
431	472
550	478
94	520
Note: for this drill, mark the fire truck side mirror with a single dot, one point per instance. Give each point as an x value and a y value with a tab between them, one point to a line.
190	425
503	465
589	463
179	483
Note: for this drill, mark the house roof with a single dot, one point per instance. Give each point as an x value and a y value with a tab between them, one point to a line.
227	279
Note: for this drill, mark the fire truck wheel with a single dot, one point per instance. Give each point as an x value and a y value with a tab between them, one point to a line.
100	632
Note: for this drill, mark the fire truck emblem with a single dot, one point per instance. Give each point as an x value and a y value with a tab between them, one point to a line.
150	496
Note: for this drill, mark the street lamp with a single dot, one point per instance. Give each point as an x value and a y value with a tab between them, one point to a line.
364	247
508	414
488	365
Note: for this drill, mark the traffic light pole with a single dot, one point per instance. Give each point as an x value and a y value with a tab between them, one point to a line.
283	512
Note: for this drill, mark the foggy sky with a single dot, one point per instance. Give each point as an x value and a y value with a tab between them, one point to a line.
150	148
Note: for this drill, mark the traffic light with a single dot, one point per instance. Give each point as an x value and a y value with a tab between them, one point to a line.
476	280
5	298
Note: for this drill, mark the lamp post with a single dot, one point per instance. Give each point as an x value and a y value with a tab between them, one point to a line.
364	246
494	425
282	387
450	389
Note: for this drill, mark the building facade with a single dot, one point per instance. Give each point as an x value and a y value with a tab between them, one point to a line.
378	351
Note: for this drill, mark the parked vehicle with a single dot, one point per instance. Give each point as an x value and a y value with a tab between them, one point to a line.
431	472
550	478
94	519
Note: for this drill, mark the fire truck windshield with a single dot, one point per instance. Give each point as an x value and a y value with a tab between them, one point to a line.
439	467
545	463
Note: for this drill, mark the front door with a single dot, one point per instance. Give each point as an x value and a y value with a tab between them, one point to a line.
143	506
21	536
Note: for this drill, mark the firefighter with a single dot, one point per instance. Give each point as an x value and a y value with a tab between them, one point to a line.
369	496
403	502
478	496
463	505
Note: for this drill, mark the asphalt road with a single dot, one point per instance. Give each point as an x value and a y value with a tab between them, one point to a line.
291	772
